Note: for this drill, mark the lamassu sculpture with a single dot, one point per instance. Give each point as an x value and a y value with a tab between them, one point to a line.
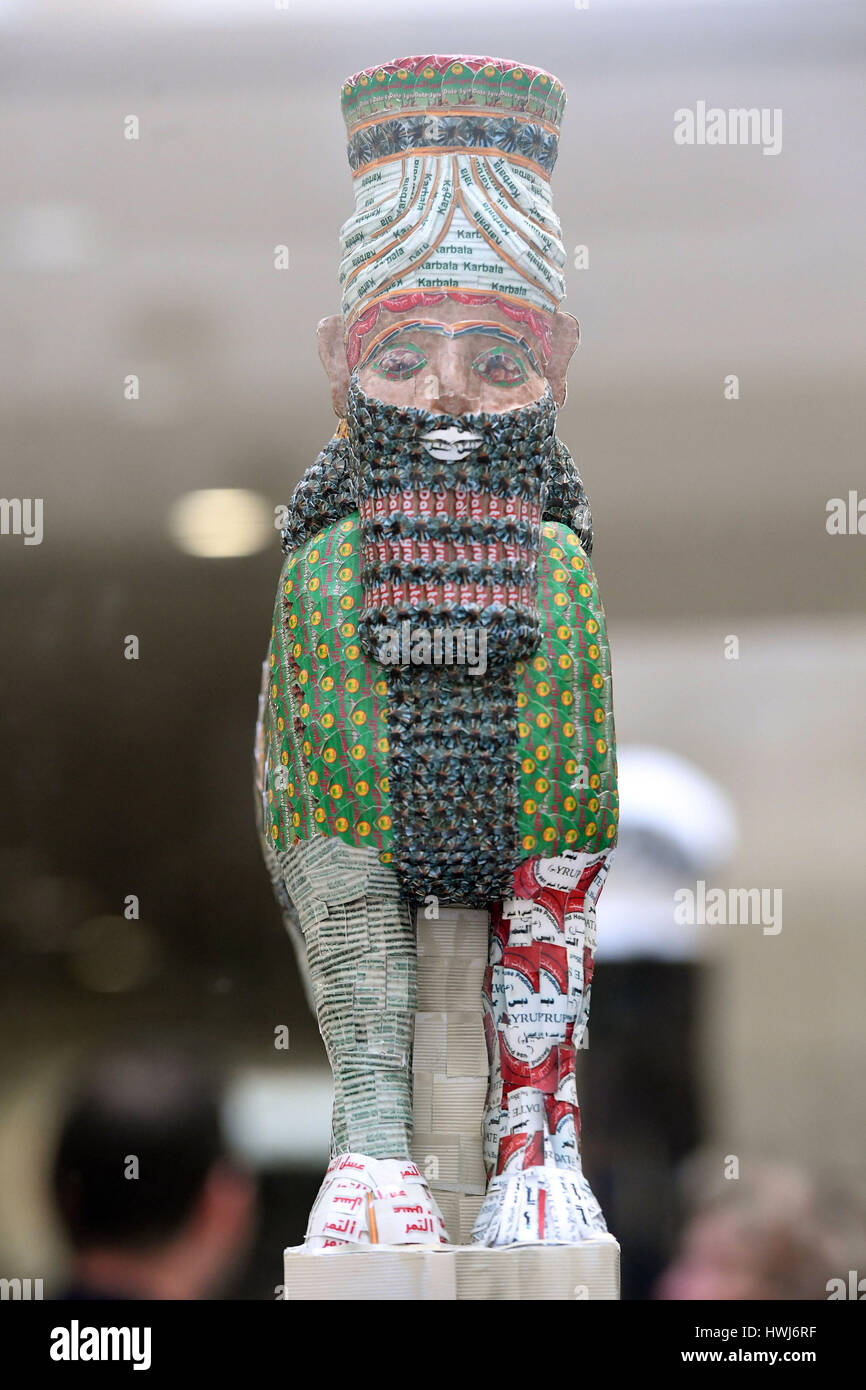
436	720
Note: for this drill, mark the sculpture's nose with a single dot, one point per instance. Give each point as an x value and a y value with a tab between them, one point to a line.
450	392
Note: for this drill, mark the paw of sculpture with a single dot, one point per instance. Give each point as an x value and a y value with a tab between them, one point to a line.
373	1201
538	1206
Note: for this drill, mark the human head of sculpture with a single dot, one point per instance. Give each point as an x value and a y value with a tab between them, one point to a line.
448	362
451	268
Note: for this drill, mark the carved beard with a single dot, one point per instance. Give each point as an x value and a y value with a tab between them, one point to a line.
451	510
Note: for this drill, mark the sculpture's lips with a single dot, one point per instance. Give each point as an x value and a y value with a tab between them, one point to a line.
450	443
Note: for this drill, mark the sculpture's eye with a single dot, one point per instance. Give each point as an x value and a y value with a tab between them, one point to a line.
397	363
500	366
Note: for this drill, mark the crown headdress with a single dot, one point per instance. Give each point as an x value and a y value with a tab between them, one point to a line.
453	104
451	157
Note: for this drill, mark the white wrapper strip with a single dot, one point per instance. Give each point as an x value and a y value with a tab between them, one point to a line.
373	1201
538	1206
452	221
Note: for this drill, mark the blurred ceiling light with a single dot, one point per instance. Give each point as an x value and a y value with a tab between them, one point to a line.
221	522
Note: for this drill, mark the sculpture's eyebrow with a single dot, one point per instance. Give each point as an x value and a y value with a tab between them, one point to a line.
454	330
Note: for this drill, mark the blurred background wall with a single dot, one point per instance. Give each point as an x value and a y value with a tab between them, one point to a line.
155	258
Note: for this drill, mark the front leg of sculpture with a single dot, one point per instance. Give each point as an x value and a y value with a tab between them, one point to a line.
361	960
536	1009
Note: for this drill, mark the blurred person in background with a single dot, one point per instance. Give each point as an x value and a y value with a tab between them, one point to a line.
152	1206
770	1234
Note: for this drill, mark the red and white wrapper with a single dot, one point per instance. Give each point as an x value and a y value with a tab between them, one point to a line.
538	1206
373	1201
536	1006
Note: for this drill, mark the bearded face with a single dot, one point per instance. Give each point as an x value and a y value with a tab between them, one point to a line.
451	511
451	433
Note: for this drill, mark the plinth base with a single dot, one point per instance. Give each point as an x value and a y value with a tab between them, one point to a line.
449	1272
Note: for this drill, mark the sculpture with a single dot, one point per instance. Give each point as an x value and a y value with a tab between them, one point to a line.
436	722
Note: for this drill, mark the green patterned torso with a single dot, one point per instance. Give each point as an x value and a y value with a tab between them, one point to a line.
325	732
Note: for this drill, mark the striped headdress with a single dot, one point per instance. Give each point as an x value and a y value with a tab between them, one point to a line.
451	159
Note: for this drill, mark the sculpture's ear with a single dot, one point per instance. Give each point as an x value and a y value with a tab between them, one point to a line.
332	351
565	336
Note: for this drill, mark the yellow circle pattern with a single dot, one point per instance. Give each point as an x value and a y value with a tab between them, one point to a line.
338	728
